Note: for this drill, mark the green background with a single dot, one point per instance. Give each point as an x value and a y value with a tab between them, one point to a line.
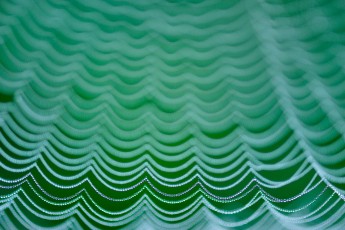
172	114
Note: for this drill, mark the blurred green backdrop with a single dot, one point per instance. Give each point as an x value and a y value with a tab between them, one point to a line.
172	114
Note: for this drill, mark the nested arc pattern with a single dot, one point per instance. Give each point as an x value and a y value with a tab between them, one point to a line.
170	114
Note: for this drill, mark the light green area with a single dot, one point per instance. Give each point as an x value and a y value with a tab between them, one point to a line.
172	114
